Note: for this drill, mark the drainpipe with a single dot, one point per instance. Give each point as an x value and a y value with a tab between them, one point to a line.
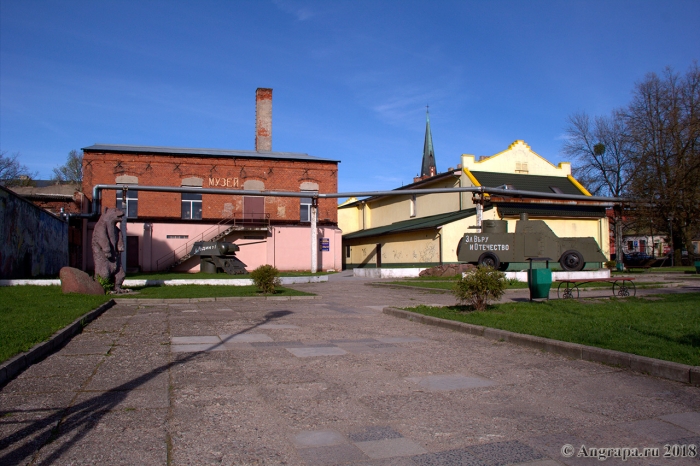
314	236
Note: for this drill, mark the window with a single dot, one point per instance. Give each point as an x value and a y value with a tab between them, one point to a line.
305	209
412	206
132	203
347	250
191	206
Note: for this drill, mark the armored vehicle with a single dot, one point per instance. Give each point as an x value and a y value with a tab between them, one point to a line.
495	247
214	256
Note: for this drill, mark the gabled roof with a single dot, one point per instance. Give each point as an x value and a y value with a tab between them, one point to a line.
523	182
415	185
422	223
121	149
550	210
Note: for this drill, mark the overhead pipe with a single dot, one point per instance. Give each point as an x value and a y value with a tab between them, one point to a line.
482	190
97	193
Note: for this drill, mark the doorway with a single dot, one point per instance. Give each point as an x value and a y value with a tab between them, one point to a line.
132	252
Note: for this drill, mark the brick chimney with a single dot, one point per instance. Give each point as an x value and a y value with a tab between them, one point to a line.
263	119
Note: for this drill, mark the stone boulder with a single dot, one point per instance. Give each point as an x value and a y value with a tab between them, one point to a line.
77	281
449	270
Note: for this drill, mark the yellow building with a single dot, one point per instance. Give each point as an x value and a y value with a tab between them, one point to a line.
424	230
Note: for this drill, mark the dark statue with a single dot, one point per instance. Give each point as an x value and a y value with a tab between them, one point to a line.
107	246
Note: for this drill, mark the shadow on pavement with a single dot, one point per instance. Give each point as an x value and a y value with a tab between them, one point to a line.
78	420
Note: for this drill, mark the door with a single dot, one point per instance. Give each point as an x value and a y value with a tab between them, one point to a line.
132	252
379	255
253	208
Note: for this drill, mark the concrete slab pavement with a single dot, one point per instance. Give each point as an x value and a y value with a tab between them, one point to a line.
329	381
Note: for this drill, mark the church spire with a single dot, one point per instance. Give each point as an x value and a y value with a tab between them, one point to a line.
428	168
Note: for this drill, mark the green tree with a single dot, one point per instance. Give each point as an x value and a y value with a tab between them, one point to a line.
72	170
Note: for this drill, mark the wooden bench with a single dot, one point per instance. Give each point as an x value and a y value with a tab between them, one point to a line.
621	287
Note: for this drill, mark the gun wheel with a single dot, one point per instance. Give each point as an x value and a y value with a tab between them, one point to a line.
571	261
489	259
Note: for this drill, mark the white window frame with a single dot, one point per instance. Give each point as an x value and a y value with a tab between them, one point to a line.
132	202
308	204
191	203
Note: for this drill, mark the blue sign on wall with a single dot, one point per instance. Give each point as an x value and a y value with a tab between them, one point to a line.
325	244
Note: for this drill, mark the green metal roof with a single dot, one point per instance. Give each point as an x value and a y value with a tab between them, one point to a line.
539	183
550	210
422	223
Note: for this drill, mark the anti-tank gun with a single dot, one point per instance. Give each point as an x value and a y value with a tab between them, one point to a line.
218	255
495	247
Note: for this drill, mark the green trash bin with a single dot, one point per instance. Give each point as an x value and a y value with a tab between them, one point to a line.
539	281
697	266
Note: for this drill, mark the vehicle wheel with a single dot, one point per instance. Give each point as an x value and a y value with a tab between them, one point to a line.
571	261
489	259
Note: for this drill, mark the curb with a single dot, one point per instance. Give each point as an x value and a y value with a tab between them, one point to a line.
17	364
419	288
656	367
205	300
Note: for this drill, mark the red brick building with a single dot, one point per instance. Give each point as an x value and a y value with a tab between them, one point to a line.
162	226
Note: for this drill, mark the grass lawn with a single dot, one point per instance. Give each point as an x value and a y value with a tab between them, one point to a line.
204	291
31	314
448	284
689	269
664	327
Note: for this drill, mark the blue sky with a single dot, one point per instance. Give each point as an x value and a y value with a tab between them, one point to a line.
350	79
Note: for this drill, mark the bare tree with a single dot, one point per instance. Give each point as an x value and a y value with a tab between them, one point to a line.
602	161
72	171
600	152
12	173
663	126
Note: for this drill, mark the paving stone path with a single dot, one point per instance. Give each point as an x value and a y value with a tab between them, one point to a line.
324	382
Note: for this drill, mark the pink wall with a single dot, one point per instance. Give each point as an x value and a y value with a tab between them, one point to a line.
286	247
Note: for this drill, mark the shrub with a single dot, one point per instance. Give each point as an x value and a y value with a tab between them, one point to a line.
266	278
479	287
106	283
610	265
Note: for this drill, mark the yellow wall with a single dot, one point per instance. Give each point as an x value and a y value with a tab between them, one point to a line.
349	218
406	248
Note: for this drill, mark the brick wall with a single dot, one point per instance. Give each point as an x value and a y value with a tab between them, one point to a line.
215	172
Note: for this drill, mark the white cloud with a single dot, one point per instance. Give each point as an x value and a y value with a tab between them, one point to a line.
302	12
